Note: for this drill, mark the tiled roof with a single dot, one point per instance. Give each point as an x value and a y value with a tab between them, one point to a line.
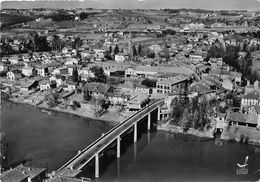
13	176
174	80
251	95
31	171
242	118
97	87
237	117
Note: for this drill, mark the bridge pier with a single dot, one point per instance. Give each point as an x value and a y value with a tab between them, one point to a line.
159	112
96	166
135	132
118	147
149	122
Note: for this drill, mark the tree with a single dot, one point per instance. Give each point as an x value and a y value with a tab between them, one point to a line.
134	51
52	100
41	43
75	75
139	49
99	74
185	121
116	50
149	83
216	52
110	49
86	95
107	55
246	64
77	43
151	55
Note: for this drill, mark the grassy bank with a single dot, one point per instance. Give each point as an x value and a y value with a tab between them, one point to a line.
111	115
177	129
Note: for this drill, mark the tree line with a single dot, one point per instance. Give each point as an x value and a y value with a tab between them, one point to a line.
190	113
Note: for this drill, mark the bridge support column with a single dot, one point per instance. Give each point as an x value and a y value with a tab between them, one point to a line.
135	132
149	122
118	147
96	166
159	114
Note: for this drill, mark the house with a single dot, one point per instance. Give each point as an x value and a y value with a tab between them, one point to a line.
35	174
137	102
201	89
45	85
250	99
127	87
221	121
118	98
22	173
216	62
14	75
28	85
69	86
42	70
60	71
143	89
147	70
66	179
171	85
240	119
59	79
72	61
14	175
13	59
71	67
155	48
227	84
3	67
28	71
97	90
113	68
129	72
85	73
255	110
120	58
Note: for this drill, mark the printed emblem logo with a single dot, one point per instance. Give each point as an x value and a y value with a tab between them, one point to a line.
242	170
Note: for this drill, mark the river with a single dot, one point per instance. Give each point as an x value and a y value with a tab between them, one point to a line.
157	156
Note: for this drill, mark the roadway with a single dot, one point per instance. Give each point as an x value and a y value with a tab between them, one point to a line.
75	164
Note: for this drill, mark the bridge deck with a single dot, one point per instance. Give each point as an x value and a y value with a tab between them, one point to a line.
74	166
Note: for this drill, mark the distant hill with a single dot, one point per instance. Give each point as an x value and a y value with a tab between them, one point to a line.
11	19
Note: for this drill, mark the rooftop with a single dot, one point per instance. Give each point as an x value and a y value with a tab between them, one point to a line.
173	80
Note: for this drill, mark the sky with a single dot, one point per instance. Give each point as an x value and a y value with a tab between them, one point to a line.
136	4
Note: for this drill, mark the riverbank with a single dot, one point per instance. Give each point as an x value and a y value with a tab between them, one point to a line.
241	134
177	129
111	115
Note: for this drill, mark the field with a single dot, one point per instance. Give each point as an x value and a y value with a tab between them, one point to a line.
11	19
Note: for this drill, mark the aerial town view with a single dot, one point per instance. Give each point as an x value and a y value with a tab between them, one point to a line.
130	91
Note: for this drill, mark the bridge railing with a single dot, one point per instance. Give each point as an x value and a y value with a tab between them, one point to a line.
105	135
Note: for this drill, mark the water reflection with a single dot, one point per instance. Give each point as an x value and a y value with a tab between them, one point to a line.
47	140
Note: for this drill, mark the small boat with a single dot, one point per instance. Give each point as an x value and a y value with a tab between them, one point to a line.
48	112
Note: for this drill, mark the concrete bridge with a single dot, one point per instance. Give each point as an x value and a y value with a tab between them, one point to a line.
74	165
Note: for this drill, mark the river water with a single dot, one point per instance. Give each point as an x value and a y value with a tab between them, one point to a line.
157	156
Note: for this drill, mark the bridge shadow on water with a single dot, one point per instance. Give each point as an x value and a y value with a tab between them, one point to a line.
108	157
